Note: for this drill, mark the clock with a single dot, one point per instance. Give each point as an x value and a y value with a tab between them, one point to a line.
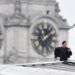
44	38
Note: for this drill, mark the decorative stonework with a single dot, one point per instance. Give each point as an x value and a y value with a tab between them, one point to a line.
57	10
19	27
17	18
29	1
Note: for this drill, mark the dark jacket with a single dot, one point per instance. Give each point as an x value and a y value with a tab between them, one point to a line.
63	53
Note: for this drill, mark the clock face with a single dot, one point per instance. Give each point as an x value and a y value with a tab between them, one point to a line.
44	38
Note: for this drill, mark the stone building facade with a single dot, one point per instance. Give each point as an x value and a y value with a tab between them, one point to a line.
20	23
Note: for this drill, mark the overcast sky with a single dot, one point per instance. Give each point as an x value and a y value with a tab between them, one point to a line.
67	10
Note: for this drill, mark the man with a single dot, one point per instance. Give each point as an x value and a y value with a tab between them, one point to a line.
63	52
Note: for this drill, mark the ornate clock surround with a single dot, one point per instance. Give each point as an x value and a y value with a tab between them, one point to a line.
45	42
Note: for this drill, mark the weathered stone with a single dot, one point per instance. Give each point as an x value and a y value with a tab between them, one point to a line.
18	20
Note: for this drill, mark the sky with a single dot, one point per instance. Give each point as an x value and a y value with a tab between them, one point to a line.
67	10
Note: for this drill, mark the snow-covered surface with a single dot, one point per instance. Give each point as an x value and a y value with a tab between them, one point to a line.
19	70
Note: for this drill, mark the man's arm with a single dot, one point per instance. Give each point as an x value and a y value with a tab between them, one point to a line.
69	52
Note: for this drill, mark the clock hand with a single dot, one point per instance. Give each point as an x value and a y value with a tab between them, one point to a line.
46	36
49	34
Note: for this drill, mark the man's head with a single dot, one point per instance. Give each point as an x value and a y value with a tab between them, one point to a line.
64	44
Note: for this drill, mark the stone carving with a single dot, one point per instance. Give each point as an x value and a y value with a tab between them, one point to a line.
17	18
